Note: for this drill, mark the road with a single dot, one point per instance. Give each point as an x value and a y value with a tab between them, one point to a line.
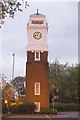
60	116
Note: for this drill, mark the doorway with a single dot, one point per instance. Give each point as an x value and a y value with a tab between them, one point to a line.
37	104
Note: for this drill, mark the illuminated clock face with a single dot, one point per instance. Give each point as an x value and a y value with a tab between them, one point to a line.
37	35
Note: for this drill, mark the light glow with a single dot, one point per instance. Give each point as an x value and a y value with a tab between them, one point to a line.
6	101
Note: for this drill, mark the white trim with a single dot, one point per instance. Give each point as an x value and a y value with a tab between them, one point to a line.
35	88
37	59
37	106
24	84
33	47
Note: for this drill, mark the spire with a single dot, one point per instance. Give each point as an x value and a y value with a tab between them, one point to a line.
37	12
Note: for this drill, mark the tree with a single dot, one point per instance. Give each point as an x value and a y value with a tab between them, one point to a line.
9	8
2	84
79	83
9	92
65	78
18	82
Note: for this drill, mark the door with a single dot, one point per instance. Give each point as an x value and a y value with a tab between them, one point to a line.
37	109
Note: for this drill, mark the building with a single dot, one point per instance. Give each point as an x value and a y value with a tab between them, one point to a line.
37	83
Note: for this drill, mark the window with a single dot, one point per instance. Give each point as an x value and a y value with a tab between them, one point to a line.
37	104
37	21
37	56
37	88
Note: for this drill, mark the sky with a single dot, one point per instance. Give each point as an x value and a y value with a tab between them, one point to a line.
62	18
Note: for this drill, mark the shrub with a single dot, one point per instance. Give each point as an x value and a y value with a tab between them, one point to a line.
25	108
48	111
66	106
13	109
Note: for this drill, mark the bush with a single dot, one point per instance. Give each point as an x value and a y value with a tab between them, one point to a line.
4	109
23	108
78	107
66	106
13	109
48	111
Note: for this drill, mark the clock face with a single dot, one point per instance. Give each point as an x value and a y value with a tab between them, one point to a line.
37	35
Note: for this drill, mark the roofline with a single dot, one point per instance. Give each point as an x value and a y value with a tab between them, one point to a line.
37	15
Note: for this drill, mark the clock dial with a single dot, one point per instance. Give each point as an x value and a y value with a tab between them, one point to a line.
37	35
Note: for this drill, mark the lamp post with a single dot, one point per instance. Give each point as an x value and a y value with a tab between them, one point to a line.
53	98
6	102
53	101
13	66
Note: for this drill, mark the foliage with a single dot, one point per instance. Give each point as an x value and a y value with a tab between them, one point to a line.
79	83
48	111
52	86
65	79
29	108
2	86
2	81
25	108
22	98
18	82
66	106
9	8
63	82
8	92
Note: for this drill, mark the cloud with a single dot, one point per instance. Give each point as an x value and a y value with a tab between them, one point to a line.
62	35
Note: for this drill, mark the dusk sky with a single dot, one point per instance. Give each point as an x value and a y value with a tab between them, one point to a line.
62	18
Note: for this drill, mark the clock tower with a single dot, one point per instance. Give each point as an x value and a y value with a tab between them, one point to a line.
37	83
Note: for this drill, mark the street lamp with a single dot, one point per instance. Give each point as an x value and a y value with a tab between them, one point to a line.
53	97
6	102
13	66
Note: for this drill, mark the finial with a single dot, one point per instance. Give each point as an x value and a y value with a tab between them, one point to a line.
37	12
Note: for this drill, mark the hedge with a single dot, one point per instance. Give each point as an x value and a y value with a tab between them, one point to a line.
66	106
48	111
23	108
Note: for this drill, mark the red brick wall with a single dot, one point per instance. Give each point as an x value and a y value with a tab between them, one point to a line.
37	71
31	56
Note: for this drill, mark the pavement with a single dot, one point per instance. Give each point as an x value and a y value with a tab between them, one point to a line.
59	116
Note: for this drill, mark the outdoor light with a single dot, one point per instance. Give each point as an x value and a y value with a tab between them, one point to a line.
32	51
42	51
6	101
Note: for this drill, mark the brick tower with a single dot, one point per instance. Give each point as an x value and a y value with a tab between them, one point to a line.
37	83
